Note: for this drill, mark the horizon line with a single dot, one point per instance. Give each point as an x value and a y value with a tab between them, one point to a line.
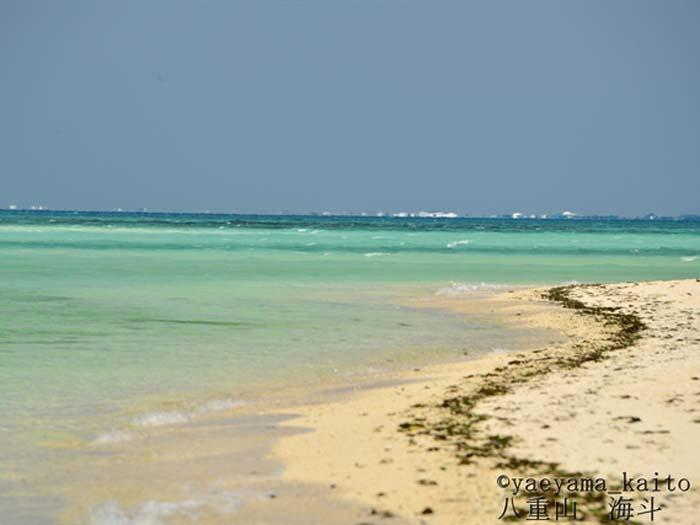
423	214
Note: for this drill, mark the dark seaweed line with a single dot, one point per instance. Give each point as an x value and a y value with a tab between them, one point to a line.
459	426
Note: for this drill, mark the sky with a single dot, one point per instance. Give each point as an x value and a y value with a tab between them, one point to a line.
474	107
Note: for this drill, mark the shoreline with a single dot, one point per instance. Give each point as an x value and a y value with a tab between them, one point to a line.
214	451
429	449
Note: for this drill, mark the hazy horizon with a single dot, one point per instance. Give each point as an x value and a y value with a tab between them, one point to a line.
411	214
479	108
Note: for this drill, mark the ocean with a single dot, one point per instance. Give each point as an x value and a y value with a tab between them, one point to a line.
115	322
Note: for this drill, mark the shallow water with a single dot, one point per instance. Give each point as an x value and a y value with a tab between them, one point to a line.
115	323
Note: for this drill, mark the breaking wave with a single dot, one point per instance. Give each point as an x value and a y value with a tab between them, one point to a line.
454	244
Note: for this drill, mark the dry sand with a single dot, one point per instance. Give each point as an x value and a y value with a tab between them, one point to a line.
609	399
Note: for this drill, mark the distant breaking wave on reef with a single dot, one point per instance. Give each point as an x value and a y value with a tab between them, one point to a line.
313	223
454	244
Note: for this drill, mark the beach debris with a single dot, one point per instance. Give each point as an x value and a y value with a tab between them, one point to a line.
382	513
462	427
427	482
629	419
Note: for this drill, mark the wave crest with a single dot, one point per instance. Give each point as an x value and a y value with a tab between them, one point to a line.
454	244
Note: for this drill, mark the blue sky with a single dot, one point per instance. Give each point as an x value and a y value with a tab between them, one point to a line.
476	107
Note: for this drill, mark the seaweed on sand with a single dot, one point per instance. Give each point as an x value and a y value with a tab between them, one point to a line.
461	425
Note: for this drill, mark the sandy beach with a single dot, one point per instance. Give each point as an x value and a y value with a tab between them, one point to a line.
349	263
618	392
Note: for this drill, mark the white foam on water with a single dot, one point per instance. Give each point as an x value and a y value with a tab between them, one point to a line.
689	258
465	288
178	417
118	436
454	244
159	512
109	514
375	254
219	405
159	419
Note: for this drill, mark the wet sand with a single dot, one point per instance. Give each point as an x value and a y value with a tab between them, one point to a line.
208	462
618	390
612	385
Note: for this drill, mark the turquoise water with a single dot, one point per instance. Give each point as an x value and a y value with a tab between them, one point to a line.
107	318
142	304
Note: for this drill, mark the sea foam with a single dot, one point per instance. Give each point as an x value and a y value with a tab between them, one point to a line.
160	512
219	405
108	438
159	419
464	288
178	417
